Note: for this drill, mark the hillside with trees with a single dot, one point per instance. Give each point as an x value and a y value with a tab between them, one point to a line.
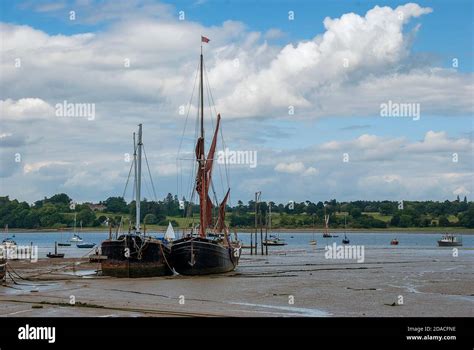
59	210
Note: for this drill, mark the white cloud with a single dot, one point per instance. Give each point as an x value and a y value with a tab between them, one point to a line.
290	168
25	109
461	190
34	167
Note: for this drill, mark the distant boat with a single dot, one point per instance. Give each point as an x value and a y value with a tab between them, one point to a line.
345	240
85	245
169	235
55	255
76	238
450	240
274	241
65	243
313	241
394	241
326	233
8	242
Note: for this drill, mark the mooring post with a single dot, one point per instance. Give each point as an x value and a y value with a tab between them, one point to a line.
251	243
266	237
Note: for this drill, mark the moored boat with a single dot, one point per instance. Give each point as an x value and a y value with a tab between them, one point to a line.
55	254
134	254
345	240
85	245
450	240
326	233
274	241
199	253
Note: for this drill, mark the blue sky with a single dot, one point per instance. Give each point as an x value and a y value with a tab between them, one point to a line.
282	63
447	32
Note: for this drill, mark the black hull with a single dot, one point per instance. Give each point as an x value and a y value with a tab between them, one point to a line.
449	244
202	256
144	257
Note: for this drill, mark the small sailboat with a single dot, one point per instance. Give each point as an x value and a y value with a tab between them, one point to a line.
55	254
75	237
450	240
313	241
273	240
394	241
169	234
326	233
63	243
345	240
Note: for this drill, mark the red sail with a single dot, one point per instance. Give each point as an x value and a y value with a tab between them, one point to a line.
205	176
212	151
221	218
199	156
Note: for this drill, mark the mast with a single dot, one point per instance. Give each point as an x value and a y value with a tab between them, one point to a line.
135	177
202	161
138	174
201	87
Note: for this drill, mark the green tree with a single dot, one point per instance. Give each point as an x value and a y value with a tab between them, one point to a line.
150	219
87	216
116	205
443	221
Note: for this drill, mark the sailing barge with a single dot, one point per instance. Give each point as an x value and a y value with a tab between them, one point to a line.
208	249
134	254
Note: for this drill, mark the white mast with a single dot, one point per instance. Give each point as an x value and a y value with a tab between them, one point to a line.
138	175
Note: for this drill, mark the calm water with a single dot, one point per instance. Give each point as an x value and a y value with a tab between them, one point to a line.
296	240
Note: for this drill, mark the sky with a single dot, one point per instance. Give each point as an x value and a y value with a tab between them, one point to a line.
301	85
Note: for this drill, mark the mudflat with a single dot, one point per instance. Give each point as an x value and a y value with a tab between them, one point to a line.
288	283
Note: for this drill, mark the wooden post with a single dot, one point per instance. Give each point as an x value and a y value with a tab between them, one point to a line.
266	246
251	243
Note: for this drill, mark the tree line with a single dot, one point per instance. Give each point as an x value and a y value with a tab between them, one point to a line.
59	211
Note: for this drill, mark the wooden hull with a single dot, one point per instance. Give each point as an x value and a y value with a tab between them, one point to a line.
202	256
131	256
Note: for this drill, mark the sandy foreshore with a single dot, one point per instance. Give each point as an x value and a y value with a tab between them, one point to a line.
390	282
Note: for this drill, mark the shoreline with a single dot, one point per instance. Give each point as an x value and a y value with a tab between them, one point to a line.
160	229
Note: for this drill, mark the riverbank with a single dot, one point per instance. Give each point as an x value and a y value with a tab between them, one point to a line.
152	229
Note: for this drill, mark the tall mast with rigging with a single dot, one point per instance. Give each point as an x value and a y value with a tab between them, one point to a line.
202	160
138	175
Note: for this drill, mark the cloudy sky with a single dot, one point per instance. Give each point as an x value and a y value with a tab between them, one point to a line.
299	83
